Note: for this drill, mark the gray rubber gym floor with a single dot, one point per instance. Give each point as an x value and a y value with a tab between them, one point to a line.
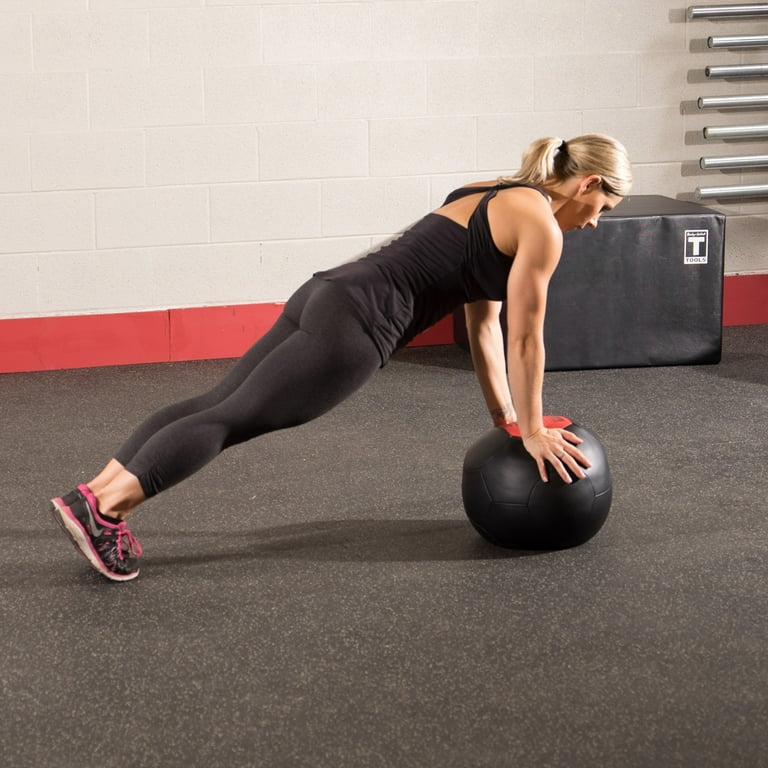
317	598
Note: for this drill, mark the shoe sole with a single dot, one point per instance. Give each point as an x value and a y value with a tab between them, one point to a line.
82	541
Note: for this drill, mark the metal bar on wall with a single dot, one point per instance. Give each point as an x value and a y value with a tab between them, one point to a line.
740	161
733	102
753	190
727	11
741	101
737	70
736	132
737	41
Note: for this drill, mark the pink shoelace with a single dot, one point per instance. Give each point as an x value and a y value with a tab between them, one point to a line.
121	531
132	545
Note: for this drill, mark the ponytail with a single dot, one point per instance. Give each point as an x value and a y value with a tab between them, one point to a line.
551	160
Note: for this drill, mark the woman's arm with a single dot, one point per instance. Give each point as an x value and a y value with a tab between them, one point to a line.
486	343
539	244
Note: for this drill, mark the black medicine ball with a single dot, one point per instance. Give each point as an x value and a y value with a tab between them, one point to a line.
509	505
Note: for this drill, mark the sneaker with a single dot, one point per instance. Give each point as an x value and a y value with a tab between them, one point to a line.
109	548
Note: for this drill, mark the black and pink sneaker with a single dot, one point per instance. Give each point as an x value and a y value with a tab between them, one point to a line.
109	547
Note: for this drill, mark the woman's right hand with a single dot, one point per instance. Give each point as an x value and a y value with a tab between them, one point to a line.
559	448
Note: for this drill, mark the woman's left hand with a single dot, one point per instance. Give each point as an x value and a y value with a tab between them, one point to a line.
559	448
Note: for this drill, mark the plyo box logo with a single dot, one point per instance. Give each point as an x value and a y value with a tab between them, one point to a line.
696	246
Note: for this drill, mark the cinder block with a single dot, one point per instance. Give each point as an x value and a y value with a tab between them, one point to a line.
37	6
257	2
669	79
46	222
83	41
442	185
315	33
657	179
612	26
745	244
314	150
650	135
116	5
287	265
95	281
14	162
528	27
260	94
55	101
206	37
480	86
695	146
202	154
371	89
502	139
422	146
87	160
242	273
270	211
199	275
373	206
18	285
663	78
15	43
149	97
144	217
586	82
434	30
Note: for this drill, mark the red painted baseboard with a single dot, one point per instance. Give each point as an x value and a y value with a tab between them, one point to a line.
745	300
84	341
203	333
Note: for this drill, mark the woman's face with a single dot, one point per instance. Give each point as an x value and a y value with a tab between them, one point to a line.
586	206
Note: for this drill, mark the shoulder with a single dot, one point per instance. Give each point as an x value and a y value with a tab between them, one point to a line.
522	215
530	199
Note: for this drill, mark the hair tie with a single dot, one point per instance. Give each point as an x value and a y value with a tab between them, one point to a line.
563	147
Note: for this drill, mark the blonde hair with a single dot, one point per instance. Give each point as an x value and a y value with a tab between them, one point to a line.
550	160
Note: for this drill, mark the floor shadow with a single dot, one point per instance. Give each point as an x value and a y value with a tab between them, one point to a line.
394	541
747	367
442	356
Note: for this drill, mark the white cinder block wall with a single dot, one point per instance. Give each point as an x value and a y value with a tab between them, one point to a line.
177	153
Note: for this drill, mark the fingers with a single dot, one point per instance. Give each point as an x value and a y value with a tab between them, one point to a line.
569	462
566	462
571	437
558	447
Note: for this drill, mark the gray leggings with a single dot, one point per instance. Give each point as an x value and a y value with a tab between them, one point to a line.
316	355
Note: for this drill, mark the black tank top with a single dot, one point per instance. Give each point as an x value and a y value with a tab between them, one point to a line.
434	267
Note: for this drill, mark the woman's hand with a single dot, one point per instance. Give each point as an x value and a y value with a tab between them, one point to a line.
558	447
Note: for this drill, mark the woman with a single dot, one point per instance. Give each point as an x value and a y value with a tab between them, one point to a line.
488	242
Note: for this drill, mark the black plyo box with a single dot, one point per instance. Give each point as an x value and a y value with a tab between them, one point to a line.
644	288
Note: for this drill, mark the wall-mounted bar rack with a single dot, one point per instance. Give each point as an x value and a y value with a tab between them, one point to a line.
741	11
746	190
744	101
738	41
736	132
754	101
737	70
730	163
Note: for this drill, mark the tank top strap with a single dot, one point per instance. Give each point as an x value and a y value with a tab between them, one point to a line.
478	228
516	185
457	194
490	191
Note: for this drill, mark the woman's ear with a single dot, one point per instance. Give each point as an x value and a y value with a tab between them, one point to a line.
591	182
